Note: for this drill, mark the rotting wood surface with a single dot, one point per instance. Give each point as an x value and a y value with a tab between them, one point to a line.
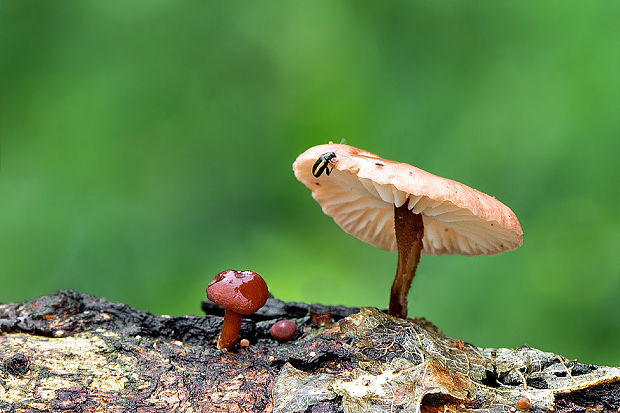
74	352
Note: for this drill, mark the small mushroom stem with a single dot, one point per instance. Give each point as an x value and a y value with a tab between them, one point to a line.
230	330
409	233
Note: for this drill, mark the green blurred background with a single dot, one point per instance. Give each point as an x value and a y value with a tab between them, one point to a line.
147	145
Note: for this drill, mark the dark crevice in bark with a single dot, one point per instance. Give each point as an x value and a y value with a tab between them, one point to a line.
605	397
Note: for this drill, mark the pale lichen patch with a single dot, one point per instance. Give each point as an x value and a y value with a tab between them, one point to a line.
46	388
78	361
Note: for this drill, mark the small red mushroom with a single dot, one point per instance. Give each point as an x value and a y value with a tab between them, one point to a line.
239	292
523	404
284	330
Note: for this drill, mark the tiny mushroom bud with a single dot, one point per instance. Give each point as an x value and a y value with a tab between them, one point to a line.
244	342
524	404
284	330
239	292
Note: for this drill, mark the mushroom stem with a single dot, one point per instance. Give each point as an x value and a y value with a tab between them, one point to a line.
409	233
230	330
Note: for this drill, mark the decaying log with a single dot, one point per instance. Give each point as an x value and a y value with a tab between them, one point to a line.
74	352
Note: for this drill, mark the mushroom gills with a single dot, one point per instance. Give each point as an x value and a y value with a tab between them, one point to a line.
354	202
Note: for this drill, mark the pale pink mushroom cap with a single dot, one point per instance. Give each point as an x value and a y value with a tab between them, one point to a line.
361	191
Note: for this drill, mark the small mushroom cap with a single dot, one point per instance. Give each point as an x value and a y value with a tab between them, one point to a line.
284	330
363	188
523	404
243	292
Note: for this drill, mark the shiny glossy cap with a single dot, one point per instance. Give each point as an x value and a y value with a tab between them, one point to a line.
243	292
284	330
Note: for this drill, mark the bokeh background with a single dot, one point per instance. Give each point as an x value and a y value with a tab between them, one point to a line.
147	145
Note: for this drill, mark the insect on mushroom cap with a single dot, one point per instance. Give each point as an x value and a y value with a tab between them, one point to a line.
243	292
363	188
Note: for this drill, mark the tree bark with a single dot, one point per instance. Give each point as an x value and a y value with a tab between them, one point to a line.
74	352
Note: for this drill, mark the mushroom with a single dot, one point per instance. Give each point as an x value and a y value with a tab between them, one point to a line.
523	404
398	207
239	292
284	330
